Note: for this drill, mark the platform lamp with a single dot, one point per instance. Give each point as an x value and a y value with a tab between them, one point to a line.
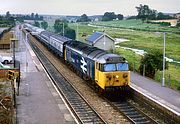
13	41
164	60
26	41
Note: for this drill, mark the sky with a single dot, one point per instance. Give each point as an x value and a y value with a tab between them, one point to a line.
89	7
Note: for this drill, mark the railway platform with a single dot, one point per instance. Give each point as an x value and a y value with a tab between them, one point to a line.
38	101
168	98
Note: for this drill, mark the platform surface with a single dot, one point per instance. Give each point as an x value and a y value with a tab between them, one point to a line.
155	90
38	101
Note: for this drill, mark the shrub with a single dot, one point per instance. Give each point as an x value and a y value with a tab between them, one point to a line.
161	23
178	24
165	24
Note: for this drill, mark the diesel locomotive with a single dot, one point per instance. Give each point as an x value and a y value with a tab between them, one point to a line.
106	70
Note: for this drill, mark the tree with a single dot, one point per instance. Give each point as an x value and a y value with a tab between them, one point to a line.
152	63
153	14
32	16
58	26
108	16
178	24
162	16
36	17
145	13
83	18
44	24
120	16
41	18
70	33
8	14
37	24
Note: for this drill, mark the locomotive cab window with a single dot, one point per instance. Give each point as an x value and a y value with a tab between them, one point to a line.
109	67
115	67
122	66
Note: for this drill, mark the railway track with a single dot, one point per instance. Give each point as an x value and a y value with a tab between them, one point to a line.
132	113
81	108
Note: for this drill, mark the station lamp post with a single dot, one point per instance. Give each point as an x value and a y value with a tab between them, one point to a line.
13	41
26	40
77	31
63	29
163	79
104	42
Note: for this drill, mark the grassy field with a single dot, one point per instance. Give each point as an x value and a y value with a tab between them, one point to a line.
141	36
138	39
138	25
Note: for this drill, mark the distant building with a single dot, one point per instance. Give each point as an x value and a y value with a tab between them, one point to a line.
5	40
96	19
173	22
101	40
177	15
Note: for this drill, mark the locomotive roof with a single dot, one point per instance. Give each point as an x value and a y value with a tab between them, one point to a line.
94	53
47	33
55	36
110	58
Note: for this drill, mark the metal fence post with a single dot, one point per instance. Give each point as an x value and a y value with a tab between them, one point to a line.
143	70
169	80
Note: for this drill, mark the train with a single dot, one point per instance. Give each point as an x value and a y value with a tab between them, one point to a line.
106	71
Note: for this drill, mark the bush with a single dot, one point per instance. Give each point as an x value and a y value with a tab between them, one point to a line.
165	24
178	88
152	62
178	24
161	23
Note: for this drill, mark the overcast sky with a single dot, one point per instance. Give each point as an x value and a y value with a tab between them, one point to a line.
89	7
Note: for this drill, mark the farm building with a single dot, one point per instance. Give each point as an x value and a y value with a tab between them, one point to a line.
177	15
3	31
5	39
101	40
173	22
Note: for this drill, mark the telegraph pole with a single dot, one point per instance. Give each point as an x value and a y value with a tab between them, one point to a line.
104	39
77	32
63	29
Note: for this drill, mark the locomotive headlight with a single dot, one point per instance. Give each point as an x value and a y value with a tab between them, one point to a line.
125	75
107	76
117	76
